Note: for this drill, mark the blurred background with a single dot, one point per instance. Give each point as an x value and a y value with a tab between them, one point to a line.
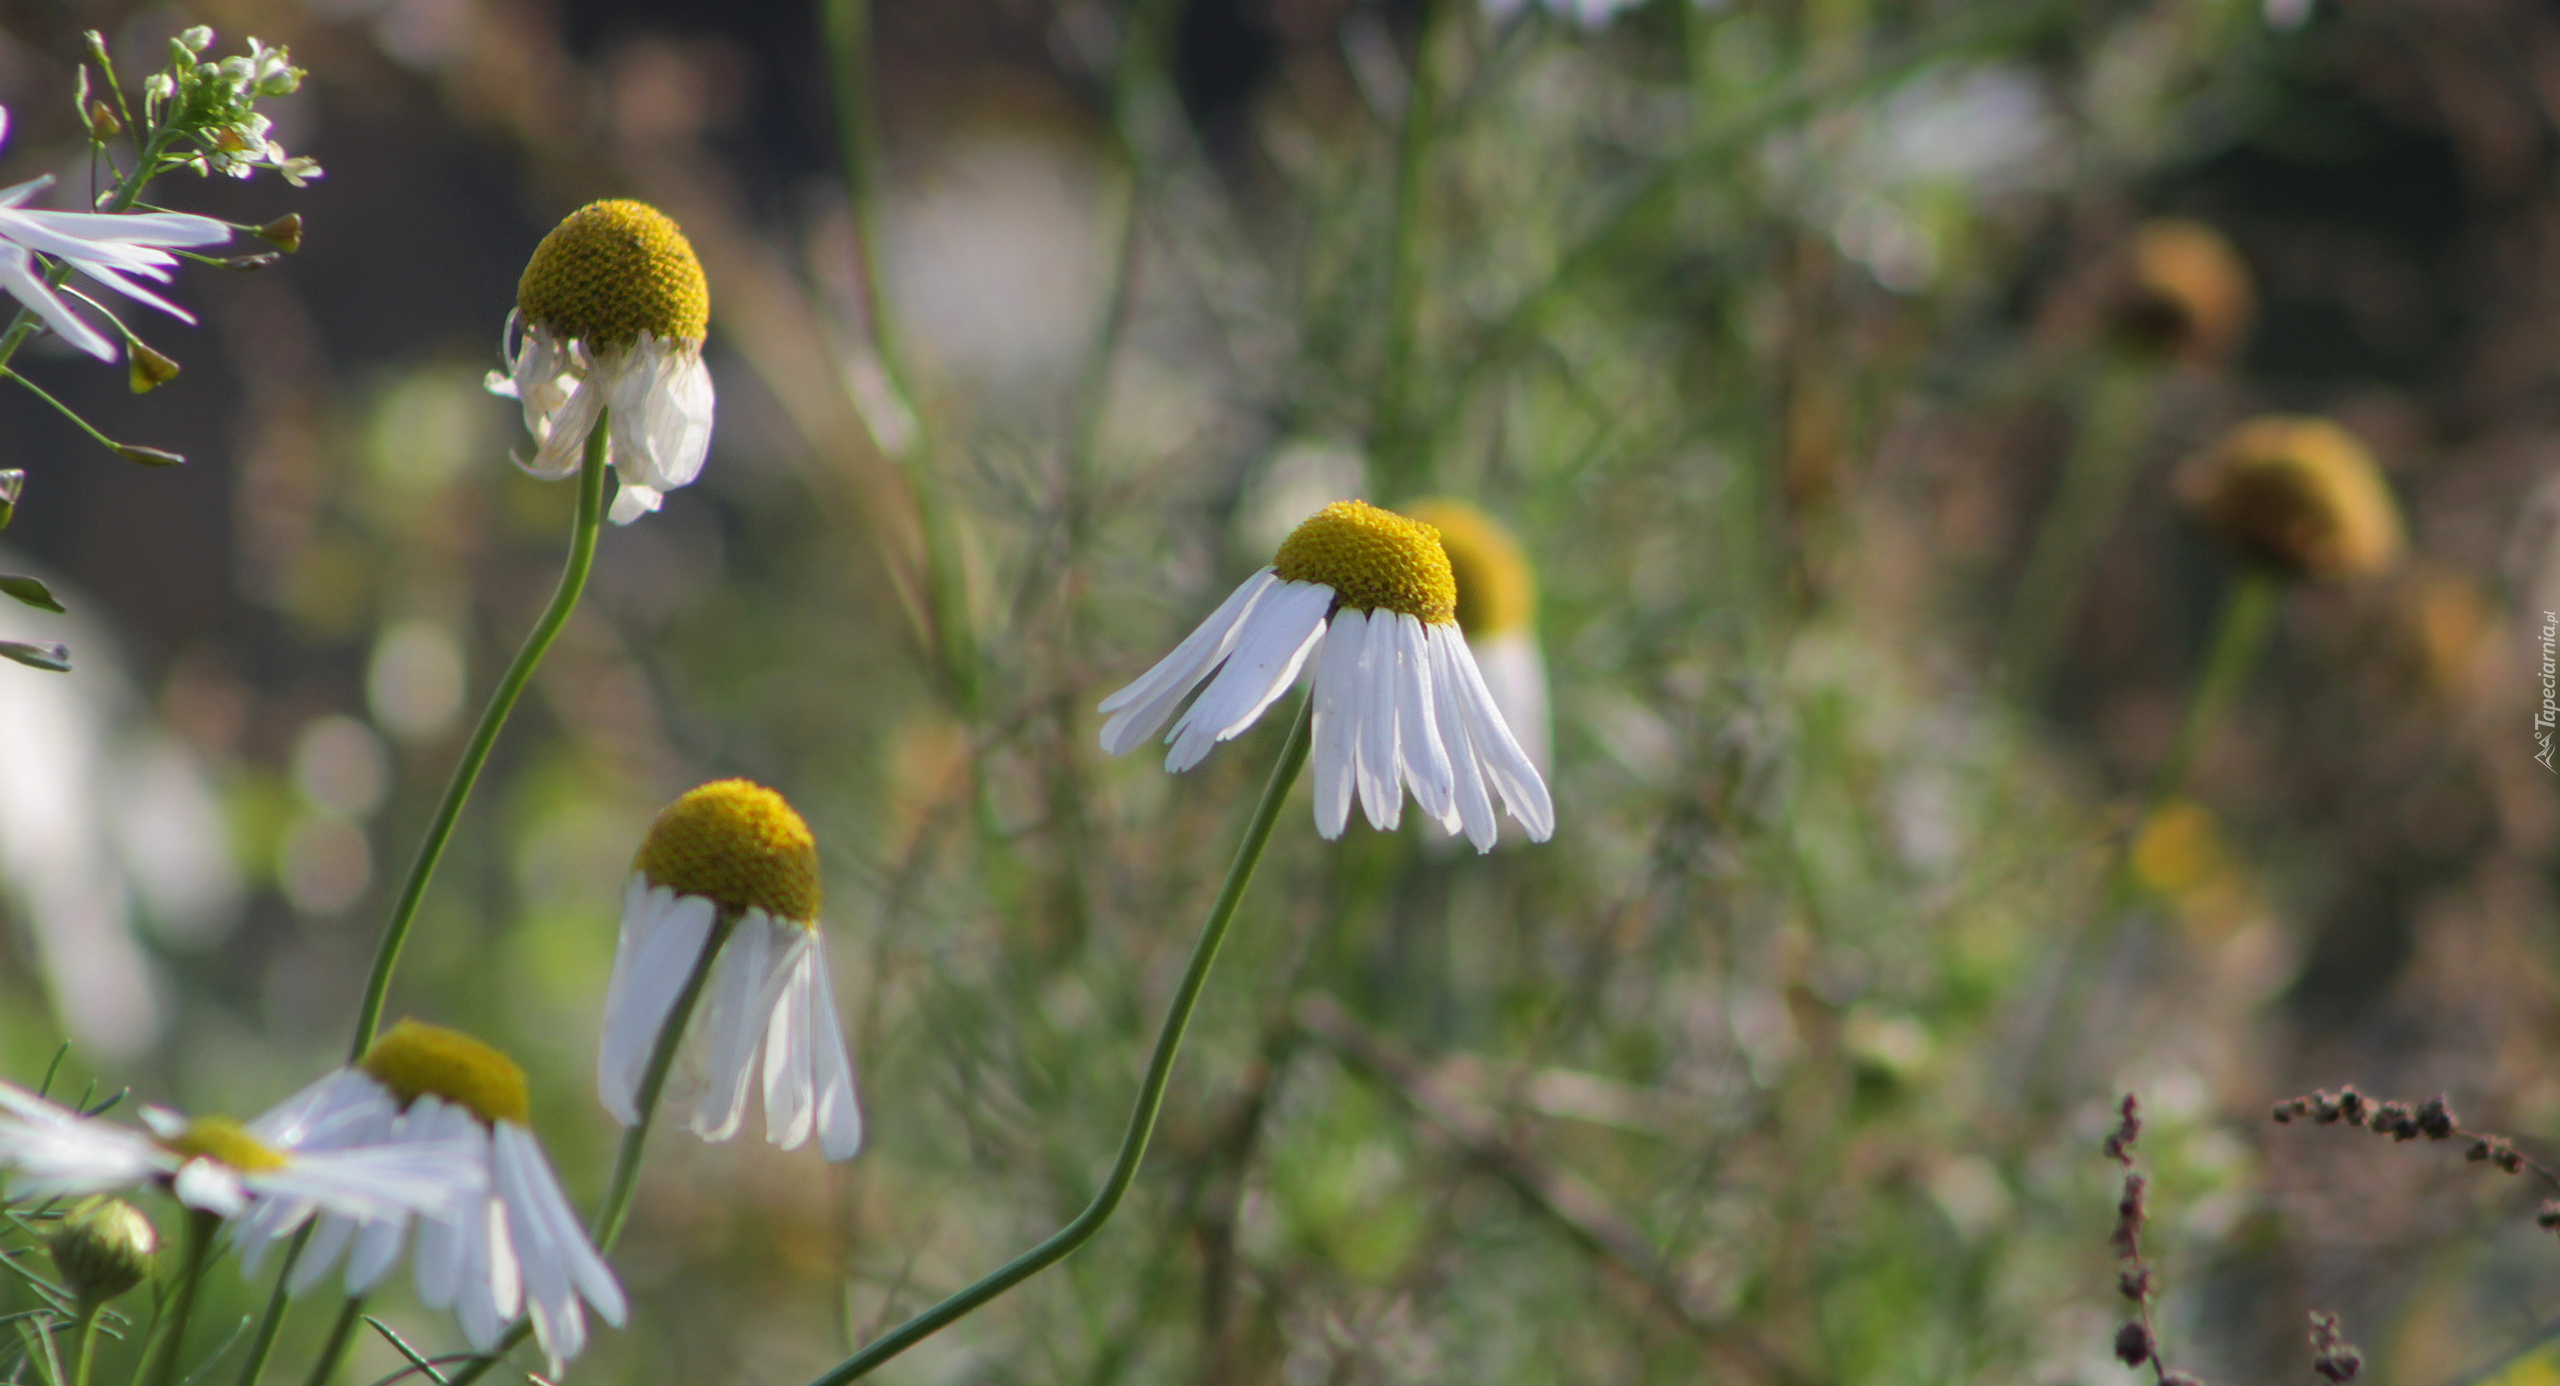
1831	360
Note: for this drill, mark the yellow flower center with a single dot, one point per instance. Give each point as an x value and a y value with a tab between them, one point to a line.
415	1060
1372	559
739	844
1497	590
612	271
224	1141
2300	495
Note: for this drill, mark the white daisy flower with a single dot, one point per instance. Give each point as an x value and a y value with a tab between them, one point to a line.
283	1161
1366	595
511	1245
613	308
1498	608
737	849
105	247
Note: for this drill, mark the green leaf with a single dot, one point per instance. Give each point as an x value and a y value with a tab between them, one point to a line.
30	591
53	657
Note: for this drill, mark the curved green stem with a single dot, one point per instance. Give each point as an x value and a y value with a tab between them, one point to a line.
493	719
626	1162
1142	1120
2242	628
87	1343
263	1346
159	1364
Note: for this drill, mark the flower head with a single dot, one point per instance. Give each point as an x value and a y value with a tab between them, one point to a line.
1370	596
613	308
280	1168
511	1245
2298	495
107	248
2184	291
103	1247
732	850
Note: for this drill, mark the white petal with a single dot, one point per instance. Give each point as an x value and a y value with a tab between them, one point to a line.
1374	701
751	972
1142	707
662	404
839	1114
346	1108
213	1187
546	1274
328	1240
662	935
560	434
789	1105
1474	806
1515	673
1336	730
377	1251
1505	764
1426	758
549	1210
631	502
1271	644
89	233
18	276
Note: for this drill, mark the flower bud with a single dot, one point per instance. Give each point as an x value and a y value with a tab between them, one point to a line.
103	1248
13	484
103	124
148	369
149	457
2298	495
284	233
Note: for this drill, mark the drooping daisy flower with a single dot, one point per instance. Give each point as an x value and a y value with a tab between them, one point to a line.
2300	497
1368	595
732	849
281	1160
105	247
1498	609
613	308
512	1244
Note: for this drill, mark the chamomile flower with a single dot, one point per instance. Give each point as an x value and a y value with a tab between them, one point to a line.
284	1160
612	311
512	1244
105	247
732	849
1498	609
1367	596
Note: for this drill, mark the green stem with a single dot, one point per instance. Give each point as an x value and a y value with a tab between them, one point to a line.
65	410
87	1343
2095	477
626	1162
159	1364
2241	629
493	719
1399	448
1142	1119
271	1323
342	1334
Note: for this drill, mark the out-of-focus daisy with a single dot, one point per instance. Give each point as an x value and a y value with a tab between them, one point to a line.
613	308
226	1167
1368	596
107	248
2297	496
1498	610
512	1244
735	849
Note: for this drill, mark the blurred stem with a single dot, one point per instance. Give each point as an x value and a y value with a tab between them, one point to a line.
616	1207
493	719
159	1365
263	1345
1150	1104
948	637
2095	477
1398	450
342	1333
2240	630
85	1343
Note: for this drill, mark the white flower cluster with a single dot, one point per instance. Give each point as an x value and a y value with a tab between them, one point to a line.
215	103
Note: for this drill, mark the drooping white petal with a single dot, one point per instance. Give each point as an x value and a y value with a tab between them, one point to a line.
1271	645
328	1240
211	1186
661	399
662	935
1139	709
749	976
377	1250
1337	725
839	1114
1426	758
19	277
556	1320
1374	707
1515	673
789	1105
631	502
1473	805
1524	794
548	1213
